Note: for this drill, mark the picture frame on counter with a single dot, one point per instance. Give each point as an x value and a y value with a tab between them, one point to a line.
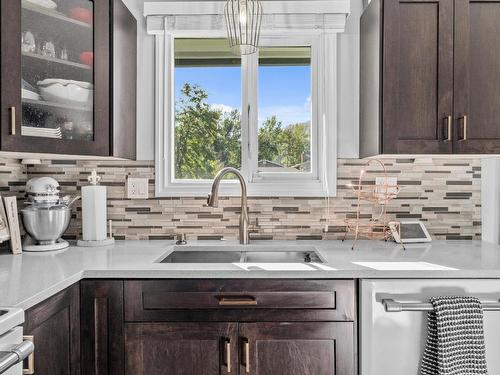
4	225
13	221
409	232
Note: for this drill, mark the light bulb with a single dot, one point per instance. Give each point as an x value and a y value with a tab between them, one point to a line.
243	14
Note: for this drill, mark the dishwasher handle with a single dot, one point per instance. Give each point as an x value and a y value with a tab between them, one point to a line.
15	355
394	306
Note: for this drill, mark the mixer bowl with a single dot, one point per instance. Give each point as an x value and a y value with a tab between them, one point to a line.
46	224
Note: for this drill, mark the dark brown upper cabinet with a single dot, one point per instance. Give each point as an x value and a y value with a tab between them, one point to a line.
428	74
477	76
68	78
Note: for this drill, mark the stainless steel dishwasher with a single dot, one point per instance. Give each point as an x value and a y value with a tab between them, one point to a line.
13	348
393	321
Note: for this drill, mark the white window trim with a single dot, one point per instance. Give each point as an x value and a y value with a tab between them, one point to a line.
324	116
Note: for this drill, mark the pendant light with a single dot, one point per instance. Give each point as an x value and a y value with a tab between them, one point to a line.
243	20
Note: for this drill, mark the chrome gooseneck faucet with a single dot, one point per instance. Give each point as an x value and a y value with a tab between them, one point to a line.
213	199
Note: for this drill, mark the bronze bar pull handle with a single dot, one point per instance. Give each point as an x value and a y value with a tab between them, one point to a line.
465	127
237	301
13	120
448	135
228	355
246	353
31	358
464	122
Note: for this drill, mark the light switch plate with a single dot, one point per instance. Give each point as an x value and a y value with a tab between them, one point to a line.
137	188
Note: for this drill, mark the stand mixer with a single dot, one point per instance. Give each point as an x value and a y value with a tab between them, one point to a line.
46	216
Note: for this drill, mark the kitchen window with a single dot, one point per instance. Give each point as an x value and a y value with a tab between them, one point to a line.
207	117
284	110
272	115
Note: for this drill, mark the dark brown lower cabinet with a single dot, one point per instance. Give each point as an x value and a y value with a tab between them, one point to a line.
181	348
310	348
55	327
102	327
274	348
241	327
304	327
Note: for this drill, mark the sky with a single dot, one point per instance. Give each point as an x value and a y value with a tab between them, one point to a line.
283	91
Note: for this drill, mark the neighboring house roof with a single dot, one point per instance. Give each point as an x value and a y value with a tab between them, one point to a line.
305	166
269	163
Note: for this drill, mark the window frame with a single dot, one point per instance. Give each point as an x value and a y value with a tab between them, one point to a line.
320	182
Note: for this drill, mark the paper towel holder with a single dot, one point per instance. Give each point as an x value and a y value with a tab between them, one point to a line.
106	242
94	180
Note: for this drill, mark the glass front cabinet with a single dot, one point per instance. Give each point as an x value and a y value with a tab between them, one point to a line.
60	89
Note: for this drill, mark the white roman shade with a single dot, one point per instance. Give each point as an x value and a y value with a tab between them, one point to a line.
280	17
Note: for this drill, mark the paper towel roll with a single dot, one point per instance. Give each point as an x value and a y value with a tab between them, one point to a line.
94	213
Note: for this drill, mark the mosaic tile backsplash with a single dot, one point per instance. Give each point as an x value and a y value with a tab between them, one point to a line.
442	192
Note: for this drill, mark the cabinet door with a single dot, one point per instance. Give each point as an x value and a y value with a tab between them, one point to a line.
180	348
477	76
55	327
55	76
102	327
417	76
297	348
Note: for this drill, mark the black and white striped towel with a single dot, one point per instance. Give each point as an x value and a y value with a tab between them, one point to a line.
455	340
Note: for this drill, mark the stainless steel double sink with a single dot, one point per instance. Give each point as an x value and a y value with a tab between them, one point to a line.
242	254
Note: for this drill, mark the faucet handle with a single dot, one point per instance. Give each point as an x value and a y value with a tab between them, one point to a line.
254	227
181	239
209	197
212	200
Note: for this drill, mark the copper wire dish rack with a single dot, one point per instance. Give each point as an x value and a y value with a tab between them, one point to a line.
377	226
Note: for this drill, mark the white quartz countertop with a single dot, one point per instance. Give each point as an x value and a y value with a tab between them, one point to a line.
28	279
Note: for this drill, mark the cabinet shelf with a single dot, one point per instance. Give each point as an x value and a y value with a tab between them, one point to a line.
55	15
56	26
42	104
45	59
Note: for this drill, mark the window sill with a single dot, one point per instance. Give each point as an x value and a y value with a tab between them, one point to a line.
255	189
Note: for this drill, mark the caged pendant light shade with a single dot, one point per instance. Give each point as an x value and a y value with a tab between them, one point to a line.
243	21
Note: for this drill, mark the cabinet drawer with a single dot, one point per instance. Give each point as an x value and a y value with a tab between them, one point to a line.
239	300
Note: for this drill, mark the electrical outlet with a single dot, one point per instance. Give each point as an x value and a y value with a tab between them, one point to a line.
137	188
